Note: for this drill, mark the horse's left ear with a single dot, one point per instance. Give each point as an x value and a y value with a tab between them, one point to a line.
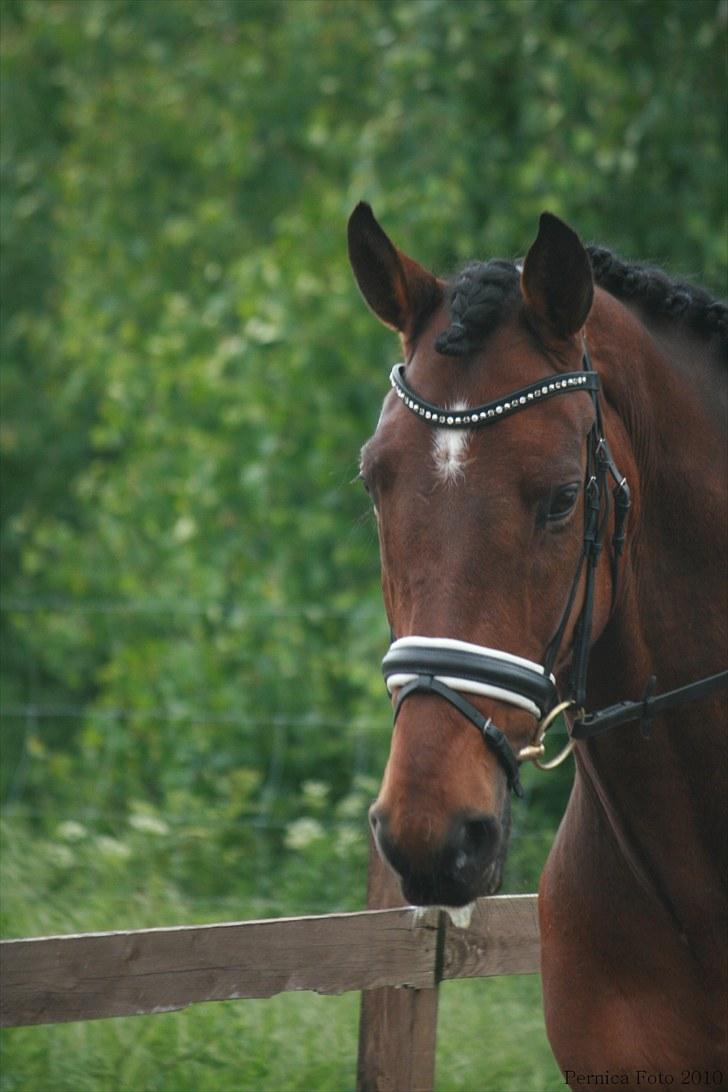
557	281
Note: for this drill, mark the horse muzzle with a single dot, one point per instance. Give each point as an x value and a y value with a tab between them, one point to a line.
464	864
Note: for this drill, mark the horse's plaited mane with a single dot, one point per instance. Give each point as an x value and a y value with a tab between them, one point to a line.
653	290
481	292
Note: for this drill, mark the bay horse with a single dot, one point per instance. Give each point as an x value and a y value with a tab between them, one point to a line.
548	476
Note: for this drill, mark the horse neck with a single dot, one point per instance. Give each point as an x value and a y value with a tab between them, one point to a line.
663	796
671	618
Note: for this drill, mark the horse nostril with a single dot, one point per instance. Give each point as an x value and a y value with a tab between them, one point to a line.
481	834
473	842
384	842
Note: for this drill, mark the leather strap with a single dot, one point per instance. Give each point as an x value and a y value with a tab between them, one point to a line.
490	412
477	667
494	738
593	724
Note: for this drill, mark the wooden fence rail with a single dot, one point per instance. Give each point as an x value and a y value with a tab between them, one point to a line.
395	955
47	980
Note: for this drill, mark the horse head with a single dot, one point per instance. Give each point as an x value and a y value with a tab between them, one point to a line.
481	510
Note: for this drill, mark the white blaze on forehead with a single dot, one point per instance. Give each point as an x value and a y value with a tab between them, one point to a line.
451	446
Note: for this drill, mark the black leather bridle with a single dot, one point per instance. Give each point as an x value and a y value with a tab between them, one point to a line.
449	668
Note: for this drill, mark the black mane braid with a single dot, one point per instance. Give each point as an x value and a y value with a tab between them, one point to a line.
481	293
478	298
659	295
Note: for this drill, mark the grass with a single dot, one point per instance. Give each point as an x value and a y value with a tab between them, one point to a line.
490	1039
490	1031
297	1042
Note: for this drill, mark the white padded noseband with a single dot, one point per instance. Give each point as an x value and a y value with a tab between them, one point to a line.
465	685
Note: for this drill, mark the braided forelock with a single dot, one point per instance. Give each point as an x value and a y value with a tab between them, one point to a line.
479	295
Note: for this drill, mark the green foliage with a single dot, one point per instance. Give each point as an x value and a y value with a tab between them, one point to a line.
191	614
213	1048
188	371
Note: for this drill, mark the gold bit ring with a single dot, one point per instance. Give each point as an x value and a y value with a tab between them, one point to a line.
535	752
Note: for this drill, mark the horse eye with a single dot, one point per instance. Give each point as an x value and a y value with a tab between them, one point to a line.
370	493
562	501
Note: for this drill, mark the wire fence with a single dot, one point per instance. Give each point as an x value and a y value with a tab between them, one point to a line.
31	604
190	716
270	816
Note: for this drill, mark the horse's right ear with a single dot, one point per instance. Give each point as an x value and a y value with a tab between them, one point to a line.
398	290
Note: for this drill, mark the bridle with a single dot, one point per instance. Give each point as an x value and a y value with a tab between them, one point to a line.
450	668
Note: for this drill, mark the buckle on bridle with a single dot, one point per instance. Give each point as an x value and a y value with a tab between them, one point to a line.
601	451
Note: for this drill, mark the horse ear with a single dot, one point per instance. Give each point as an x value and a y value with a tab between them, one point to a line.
557	281
398	290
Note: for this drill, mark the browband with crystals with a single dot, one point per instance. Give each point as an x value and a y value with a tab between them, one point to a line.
480	416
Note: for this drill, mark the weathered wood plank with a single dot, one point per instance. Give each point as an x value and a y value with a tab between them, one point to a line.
502	938
397	1036
92	976
397	1027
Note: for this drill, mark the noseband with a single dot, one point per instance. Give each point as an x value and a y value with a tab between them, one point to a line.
451	668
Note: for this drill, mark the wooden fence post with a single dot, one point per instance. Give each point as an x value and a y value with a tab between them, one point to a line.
397	1027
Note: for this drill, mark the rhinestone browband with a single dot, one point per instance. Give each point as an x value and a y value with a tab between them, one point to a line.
480	416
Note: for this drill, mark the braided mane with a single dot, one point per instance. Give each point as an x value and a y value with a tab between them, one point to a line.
659	295
482	292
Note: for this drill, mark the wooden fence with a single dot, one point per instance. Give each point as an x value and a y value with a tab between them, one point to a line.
396	956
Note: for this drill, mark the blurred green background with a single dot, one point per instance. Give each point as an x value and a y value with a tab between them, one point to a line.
193	721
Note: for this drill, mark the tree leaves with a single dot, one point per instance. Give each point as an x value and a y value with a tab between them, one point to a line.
189	372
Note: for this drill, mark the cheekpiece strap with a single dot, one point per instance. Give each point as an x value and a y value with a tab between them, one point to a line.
490	412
